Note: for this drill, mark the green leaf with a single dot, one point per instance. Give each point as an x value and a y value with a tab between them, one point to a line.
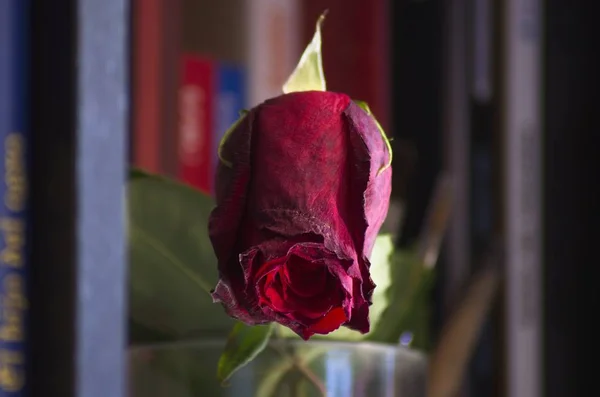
363	105
138	173
381	274
410	285
177	369
243	345
308	75
172	263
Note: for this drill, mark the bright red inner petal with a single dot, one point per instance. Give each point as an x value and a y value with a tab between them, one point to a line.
305	291
332	321
274	293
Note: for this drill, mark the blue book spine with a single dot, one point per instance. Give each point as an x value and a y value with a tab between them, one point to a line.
14	192
230	100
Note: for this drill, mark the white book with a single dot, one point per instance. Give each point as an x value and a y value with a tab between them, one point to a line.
274	46
522	186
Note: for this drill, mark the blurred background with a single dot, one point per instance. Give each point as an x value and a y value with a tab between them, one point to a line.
496	94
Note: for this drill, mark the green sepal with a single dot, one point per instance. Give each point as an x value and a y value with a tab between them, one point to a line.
363	105
308	74
244	343
226	162
135	173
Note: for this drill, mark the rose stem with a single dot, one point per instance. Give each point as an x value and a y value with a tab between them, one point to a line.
303	369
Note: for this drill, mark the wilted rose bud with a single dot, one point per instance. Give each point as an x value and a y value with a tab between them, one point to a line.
302	191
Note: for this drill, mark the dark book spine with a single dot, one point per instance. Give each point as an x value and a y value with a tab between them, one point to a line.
14	179
483	197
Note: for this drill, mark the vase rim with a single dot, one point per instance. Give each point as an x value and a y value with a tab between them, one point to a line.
334	344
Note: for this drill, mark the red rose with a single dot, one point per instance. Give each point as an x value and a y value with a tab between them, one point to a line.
301	195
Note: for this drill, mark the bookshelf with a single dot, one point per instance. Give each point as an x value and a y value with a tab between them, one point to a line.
82	98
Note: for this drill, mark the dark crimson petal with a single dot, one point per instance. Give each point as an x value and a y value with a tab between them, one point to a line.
300	181
336	267
237	303
360	318
223	294
308	252
311	308
231	193
304	277
318	305
369	153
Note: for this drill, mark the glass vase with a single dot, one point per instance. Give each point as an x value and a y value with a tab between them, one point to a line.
283	369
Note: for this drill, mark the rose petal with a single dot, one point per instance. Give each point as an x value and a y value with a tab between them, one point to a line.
313	306
332	321
223	294
360	319
274	295
302	176
305	278
266	268
371	189
303	164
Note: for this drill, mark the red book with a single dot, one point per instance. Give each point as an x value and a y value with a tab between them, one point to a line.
196	120
156	48
147	88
